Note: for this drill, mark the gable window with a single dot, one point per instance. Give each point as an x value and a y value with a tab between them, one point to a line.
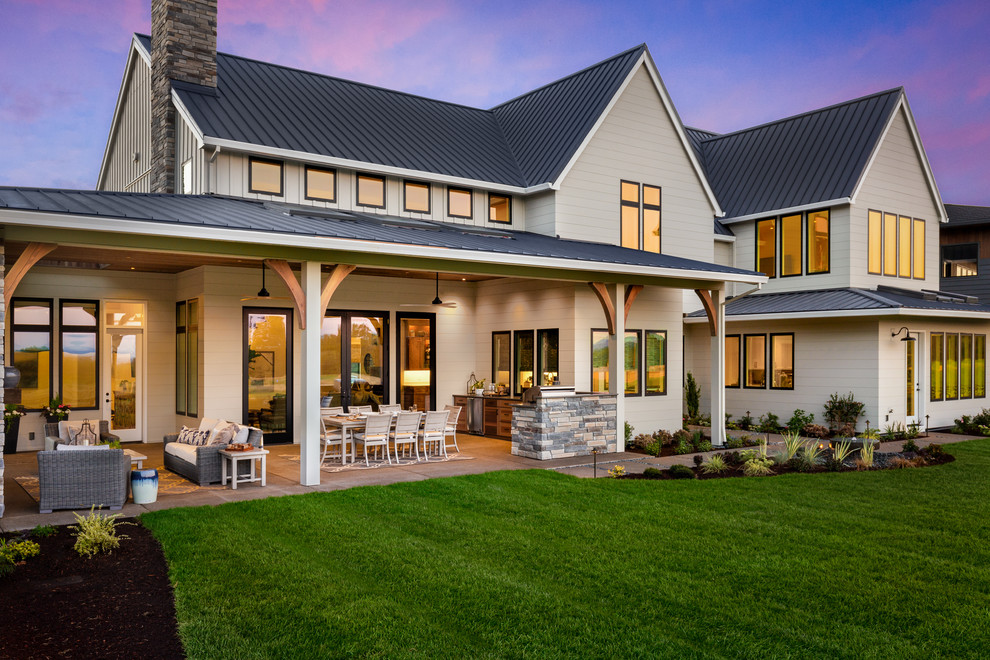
499	208
321	184
766	254
755	359
265	176
77	333
459	203
187	184
796	232
31	337
629	209
656	362
416	196
639	224
875	258
818	242
896	245
961	260
919	249
782	361
371	191
790	245
732	360
904	247
651	218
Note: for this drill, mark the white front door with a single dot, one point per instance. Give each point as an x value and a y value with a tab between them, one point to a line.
123	370
912	381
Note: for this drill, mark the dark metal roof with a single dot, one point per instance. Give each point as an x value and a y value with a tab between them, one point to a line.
961	214
243	214
722	230
813	157
831	300
523	142
696	136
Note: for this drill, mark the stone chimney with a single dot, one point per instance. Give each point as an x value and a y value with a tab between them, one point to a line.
183	47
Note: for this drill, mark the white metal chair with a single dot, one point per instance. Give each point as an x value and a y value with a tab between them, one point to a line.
337	410
433	431
391	408
332	438
360	409
406	432
450	431
375	434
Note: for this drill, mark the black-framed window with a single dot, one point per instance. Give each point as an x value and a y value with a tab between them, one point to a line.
755	361
733	354
524	360
791	243
896	245
321	184
31	324
957	366
629	214
415	337
655	362
782	361
794	245
460	203
548	356
766	247
502	358
651	218
599	360
265	176
962	260
79	353
965	366
979	366
639	216
187	357
936	374
819	232
499	208
632	362
370	190
416	196
951	366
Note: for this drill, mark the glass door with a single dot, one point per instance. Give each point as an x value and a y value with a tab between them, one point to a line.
417	371
353	349
912	384
123	369
268	372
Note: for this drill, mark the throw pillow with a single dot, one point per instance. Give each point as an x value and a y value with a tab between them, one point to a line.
223	435
188	436
208	423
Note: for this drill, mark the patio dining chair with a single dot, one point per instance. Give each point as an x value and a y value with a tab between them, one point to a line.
333	443
375	434
391	408
360	409
432	433
334	410
450	431
406	432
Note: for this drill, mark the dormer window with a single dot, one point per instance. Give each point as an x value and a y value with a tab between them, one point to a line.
459	202
499	208
321	184
371	191
416	196
265	176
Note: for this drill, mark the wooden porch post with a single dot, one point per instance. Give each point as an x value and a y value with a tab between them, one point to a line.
309	437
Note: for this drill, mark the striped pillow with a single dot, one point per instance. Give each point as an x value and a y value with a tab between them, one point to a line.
188	436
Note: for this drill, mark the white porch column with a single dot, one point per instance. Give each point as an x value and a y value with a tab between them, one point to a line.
718	371
309	435
616	365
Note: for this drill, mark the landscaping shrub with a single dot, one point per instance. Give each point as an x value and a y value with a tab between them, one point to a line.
663	437
894	431
758	467
933	452
95	533
15	551
911	446
732	458
842	412
970	425
734	443
814	431
746	423
684	446
807	458
698	460
629	432
653	448
749	441
704	445
692	397
642	440
865	459
792	443
616	471
799	420
714	465
44	530
840	452
653	473
681	472
769	423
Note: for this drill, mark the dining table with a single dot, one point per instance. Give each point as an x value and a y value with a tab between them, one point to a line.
346	424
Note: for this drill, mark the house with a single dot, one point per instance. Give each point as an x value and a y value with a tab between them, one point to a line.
965	246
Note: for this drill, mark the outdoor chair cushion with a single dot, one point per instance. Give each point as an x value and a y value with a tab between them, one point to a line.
182	450
65	447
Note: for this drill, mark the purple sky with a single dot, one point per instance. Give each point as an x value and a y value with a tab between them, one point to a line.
728	65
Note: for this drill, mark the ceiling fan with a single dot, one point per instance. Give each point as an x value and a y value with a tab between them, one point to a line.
436	301
263	293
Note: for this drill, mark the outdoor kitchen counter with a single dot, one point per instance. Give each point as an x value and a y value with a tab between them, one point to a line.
486	415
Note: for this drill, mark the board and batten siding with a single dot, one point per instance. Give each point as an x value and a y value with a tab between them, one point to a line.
895	183
187	149
637	141
132	135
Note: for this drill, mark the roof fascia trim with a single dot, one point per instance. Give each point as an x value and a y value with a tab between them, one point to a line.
845	313
306	157
28	218
902	105
651	69
841	201
125	85
188	118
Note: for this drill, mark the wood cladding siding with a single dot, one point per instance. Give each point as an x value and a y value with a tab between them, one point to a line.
187	148
131	135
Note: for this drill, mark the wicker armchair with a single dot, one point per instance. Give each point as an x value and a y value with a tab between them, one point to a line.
52	440
206	470
82	479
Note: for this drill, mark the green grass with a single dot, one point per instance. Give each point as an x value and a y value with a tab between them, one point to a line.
892	564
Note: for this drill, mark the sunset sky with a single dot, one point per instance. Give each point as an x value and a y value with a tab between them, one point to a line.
728	65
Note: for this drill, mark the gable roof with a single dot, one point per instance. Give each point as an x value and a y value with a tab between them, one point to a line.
810	158
964	214
522	143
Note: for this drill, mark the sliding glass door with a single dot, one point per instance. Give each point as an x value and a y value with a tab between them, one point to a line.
354	359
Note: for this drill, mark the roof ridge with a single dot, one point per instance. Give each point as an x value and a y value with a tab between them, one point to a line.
641	46
805	114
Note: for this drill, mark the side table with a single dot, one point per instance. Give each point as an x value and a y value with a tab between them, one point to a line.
231	458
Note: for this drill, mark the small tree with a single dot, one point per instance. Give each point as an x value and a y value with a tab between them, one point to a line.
692	396
842	413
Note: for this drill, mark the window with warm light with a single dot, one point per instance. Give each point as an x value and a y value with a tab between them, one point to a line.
655	362
639	216
79	361
755	359
321	184
782	361
766	243
599	361
416	196
265	176
629	214
961	260
732	360
790	245
896	245
459	203
371	191
31	350
818	242
651	218
499	208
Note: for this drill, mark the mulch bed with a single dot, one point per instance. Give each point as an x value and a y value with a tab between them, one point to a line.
59	604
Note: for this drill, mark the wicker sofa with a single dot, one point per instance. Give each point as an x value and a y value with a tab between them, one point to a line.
206	469
82	479
52	438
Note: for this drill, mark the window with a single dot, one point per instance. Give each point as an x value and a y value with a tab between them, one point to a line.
965	366
31	336
961	260
631	361
790	245
459	203
656	362
732	360
547	360
936	375
755	359
963	357
416	196
782	361
896	245
371	191
599	361
187	357
265	176
78	367
951	366
766	257
629	209
187	183
651	218
321	184
979	366
502	358
499	208
523	340
818	242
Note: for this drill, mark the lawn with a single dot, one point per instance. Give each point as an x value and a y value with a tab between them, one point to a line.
892	564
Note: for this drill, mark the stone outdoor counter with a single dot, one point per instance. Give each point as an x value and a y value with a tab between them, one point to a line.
564	426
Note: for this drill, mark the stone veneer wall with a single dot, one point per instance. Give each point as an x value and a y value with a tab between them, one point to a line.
3	323
564	426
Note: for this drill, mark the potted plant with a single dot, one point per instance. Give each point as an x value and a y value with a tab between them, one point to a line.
479	387
11	423
56	411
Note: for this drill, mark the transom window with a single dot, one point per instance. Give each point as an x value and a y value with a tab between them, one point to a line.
639	216
265	176
459	202
416	196
961	260
958	366
800	240
321	184
371	191
896	245
499	208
